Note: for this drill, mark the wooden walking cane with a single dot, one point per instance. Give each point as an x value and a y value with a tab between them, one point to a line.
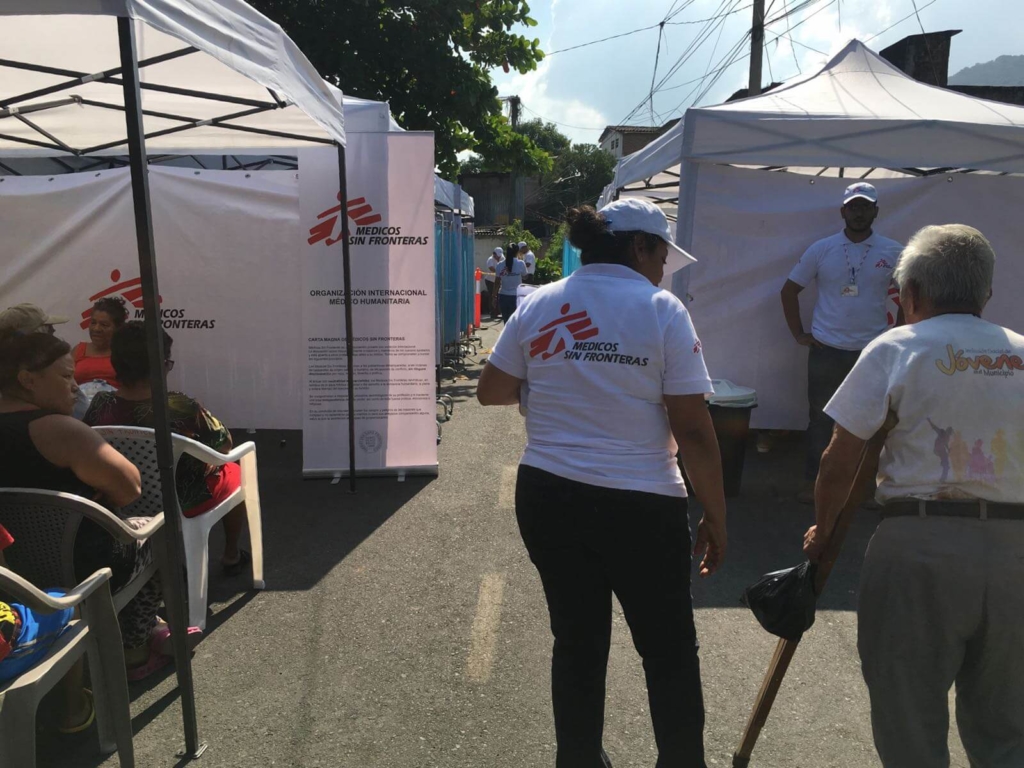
863	481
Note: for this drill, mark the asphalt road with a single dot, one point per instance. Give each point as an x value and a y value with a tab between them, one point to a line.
404	627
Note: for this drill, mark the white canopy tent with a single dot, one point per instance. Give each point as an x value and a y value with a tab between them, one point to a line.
857	117
95	77
215	74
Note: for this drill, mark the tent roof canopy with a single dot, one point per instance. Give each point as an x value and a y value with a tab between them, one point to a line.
861	111
215	75
857	111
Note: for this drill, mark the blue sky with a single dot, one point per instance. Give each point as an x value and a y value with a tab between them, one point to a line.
600	84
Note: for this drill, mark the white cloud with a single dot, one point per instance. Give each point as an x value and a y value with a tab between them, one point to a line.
578	120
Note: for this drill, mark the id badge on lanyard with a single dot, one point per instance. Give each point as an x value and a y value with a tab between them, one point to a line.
851	290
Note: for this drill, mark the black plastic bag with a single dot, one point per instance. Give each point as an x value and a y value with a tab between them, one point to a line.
783	601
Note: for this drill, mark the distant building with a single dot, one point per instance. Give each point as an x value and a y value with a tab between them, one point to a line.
495	201
926	59
621	140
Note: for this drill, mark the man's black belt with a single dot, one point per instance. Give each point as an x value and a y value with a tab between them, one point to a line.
977	510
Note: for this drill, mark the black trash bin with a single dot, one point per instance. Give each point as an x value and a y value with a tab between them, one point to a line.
730	409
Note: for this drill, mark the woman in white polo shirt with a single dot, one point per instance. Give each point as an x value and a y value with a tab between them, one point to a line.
616	380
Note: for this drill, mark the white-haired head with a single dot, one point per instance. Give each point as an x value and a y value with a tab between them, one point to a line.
948	267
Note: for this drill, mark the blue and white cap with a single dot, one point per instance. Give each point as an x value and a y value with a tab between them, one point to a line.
634	214
860	189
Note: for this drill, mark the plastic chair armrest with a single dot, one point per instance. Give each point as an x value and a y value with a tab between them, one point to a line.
38	600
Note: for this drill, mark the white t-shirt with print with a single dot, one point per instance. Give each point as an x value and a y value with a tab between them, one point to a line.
849	315
956	383
600	349
511	273
492	263
531	262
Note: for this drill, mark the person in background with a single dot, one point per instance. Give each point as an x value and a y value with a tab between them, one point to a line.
529	260
92	358
28	318
509	277
494	261
853	270
200	486
940	599
41	446
617	383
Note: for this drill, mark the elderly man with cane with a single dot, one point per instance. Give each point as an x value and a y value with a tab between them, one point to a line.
940	599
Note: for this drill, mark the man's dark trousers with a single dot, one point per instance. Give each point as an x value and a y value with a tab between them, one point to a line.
588	542
827	368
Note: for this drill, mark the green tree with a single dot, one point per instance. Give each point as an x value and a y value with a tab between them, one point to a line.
430	59
545	137
578	177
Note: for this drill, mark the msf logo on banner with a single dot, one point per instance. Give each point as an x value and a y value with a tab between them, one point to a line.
131	292
328	229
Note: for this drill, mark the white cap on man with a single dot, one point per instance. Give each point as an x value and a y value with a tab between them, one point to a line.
861	189
522	246
633	214
498	251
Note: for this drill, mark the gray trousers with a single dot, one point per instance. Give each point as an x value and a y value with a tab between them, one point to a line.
942	603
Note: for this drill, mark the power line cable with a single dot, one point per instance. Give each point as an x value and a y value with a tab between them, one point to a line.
702	36
564	125
927	47
897	23
657	55
796	59
603	39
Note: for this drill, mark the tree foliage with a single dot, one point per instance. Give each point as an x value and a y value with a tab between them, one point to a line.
578	177
429	59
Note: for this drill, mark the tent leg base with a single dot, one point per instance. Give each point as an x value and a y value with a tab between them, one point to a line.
184	754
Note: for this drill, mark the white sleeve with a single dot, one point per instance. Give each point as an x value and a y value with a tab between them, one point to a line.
508	355
807	268
685	371
862	401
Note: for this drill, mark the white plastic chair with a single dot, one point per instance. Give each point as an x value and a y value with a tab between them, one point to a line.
44	525
96	631
138	445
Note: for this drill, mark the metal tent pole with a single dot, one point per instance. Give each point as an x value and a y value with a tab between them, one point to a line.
172	584
349	352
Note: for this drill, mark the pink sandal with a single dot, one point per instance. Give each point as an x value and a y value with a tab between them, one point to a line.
154	663
157	660
160	635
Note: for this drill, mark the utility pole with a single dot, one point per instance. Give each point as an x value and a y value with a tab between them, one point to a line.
514	103
756	49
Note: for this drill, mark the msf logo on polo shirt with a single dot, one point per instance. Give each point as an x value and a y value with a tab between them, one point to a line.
569	327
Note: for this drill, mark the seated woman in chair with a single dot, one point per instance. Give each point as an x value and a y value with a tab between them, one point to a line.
200	486
42	446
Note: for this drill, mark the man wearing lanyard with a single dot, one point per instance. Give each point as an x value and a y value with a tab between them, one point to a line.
853	270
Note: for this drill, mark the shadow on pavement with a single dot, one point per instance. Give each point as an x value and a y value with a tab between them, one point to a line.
766	528
309	526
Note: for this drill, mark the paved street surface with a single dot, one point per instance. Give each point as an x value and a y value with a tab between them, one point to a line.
404	627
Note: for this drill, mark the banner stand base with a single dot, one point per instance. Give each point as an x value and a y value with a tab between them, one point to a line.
397	472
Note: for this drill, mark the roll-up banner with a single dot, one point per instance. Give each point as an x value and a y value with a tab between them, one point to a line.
390	208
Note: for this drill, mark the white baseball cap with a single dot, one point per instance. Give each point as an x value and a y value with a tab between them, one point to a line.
522	245
498	251
633	214
860	189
